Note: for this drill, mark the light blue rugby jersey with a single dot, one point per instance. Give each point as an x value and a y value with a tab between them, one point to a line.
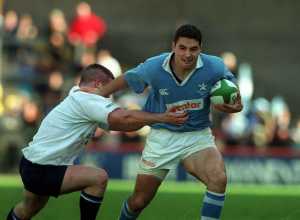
166	93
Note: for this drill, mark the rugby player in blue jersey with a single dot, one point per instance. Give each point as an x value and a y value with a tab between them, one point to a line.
179	81
47	167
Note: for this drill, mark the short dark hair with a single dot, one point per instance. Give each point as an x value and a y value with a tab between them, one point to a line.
188	31
95	72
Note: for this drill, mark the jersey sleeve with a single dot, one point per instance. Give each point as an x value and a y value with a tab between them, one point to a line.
98	108
138	78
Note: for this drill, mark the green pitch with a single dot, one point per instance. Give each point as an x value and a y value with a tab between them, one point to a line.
175	201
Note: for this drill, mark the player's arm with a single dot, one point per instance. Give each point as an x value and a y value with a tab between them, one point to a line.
237	106
136	79
130	120
115	85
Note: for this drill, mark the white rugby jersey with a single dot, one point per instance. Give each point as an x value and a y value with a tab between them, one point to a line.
68	127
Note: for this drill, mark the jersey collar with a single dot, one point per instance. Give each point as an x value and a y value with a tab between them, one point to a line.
166	66
74	89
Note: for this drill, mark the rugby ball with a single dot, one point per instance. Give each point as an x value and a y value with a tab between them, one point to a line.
224	91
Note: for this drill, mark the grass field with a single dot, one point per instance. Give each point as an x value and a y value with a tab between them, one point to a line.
175	201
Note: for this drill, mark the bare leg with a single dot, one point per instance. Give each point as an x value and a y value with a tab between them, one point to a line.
207	165
30	205
145	189
92	182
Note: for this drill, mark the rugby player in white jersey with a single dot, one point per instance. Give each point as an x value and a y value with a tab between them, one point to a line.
180	80
47	166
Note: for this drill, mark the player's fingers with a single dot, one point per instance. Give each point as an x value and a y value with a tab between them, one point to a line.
181	119
178	114
238	99
229	108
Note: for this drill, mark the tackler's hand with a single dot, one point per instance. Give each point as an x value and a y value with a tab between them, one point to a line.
175	117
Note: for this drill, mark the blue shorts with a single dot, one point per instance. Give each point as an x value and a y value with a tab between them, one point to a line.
44	180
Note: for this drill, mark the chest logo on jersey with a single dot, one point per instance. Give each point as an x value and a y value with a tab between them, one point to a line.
202	88
193	104
163	92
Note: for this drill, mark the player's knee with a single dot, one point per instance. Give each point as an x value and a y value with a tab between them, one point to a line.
218	178
102	179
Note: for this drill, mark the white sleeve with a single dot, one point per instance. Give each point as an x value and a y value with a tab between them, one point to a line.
97	109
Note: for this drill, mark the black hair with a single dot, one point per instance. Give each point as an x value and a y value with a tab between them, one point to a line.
188	31
95	72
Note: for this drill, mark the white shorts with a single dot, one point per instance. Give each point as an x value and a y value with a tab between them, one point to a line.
165	149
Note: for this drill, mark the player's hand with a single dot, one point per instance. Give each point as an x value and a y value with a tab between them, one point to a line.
174	117
237	106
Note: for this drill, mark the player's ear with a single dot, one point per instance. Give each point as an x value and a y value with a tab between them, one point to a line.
97	83
173	46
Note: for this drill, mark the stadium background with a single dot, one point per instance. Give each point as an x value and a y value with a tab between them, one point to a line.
264	37
264	33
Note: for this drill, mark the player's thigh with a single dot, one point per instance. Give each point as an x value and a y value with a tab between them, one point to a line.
204	163
78	177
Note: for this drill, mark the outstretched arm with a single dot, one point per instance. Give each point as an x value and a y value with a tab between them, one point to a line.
115	85
130	120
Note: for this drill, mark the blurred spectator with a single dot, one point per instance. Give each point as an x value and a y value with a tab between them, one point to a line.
281	137
282	118
10	33
60	51
50	99
230	61
105	58
57	22
26	31
27	56
31	117
261	123
236	130
59	48
246	85
295	134
86	28
56	81
10	22
87	58
11	128
26	72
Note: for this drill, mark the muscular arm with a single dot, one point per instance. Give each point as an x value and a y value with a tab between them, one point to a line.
118	84
130	120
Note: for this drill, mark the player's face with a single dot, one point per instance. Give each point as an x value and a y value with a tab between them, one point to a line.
186	52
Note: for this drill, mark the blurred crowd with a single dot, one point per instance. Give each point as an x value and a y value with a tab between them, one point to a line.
40	65
263	123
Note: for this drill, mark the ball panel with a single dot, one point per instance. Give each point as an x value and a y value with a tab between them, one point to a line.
217	99
226	89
